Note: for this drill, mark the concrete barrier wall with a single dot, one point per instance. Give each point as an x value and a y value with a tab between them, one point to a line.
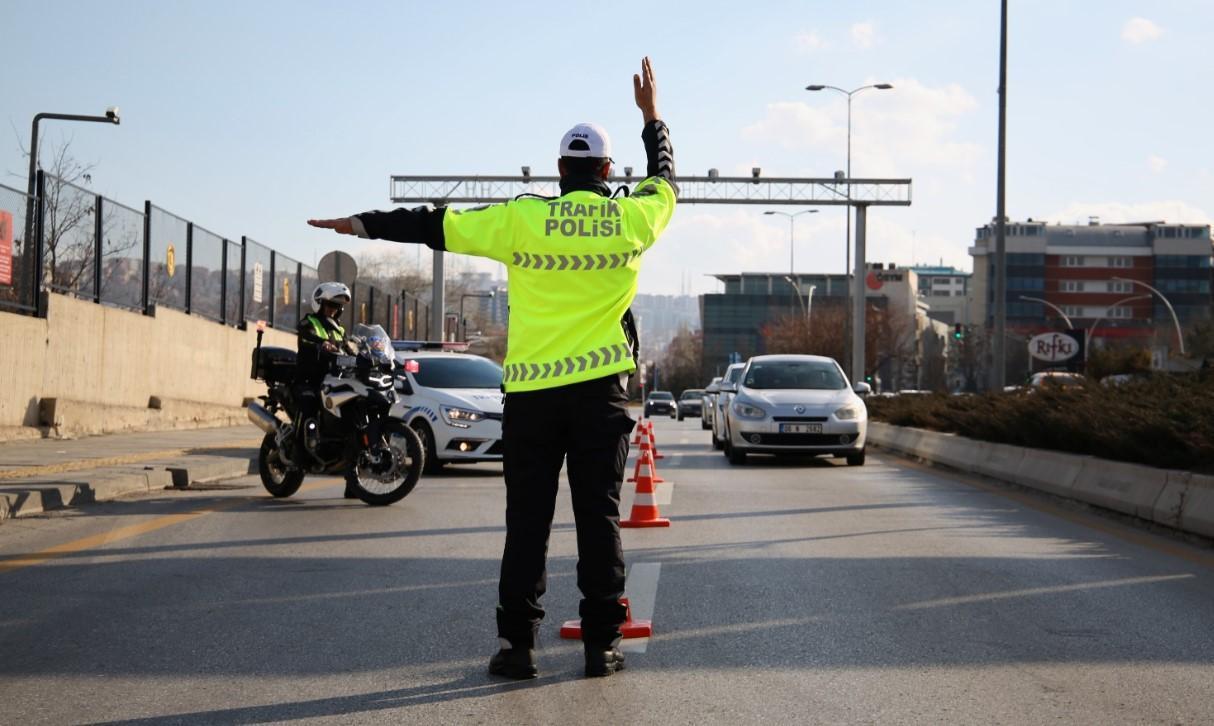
1177	499
107	359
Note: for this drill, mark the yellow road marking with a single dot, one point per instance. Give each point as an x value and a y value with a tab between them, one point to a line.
127	532
80	464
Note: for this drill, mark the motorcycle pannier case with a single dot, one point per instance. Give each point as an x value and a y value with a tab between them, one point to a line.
274	365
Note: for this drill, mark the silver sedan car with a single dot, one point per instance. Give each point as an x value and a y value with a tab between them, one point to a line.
795	404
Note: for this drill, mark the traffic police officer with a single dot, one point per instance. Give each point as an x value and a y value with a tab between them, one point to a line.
573	263
321	337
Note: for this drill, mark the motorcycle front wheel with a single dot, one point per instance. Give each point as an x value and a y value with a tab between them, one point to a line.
408	459
279	480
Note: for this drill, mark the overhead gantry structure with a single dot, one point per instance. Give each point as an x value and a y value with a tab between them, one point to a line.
860	194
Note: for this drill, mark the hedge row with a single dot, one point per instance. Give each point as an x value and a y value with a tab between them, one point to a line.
1162	421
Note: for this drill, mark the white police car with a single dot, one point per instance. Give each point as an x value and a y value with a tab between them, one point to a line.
452	400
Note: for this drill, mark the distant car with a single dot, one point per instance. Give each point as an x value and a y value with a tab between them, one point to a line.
709	402
795	404
660	402
691	402
732	375
1063	379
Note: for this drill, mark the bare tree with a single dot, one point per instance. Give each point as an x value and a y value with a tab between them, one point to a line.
680	368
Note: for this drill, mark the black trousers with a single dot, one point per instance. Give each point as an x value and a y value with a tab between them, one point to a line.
585	425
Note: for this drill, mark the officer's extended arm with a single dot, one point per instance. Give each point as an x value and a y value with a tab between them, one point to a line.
420	225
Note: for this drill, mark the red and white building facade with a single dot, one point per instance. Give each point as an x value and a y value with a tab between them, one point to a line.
1097	274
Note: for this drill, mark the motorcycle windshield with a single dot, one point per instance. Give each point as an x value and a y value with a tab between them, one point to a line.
375	344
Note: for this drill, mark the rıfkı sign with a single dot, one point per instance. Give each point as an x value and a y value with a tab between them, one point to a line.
1053	347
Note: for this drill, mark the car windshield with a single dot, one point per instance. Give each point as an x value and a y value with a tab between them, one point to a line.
692	393
457	372
734	375
661	396
813	375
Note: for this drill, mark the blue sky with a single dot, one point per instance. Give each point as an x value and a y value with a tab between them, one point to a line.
251	117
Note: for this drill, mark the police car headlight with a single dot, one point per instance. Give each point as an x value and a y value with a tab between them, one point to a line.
849	412
745	410
461	417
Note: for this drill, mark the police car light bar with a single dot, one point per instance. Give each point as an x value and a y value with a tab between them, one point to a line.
413	345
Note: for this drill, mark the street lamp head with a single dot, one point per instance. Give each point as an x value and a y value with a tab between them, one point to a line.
883	86
815	87
770	212
112	114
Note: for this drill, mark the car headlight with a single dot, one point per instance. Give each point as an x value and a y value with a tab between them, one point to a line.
850	412
745	410
461	417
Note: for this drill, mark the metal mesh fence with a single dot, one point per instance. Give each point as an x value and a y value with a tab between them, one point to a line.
98	249
167	252
18	283
121	269
308	280
286	292
233	283
69	228
206	274
257	292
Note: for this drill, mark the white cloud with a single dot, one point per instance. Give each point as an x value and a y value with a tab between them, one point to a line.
809	42
894	133
1157	163
1169	210
863	35
1137	31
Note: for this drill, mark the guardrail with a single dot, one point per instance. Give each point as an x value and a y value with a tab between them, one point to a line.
70	240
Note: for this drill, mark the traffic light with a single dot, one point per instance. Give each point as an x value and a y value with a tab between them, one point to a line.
958	331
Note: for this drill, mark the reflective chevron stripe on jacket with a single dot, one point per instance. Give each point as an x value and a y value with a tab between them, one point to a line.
606	356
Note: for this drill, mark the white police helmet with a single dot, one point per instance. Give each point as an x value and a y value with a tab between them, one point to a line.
330	292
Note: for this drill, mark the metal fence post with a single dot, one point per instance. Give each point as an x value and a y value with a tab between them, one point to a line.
189	266
223	281
298	293
39	253
98	234
147	253
243	274
271	291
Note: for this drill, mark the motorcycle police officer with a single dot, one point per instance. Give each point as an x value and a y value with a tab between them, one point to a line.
573	263
321	337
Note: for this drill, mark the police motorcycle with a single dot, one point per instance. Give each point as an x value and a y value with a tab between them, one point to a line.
354	435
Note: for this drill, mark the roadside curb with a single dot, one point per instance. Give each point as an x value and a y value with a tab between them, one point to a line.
1176	499
35	495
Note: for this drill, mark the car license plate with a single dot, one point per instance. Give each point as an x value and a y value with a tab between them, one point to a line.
805	428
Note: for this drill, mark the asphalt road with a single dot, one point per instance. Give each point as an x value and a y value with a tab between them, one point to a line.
786	591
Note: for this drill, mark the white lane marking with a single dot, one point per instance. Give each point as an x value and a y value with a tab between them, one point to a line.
987	597
642	593
663	496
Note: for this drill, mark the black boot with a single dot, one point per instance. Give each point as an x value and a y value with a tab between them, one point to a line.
516	663
603	660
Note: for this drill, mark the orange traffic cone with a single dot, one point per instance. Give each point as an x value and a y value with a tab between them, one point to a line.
653	468
653	443
640	432
572	629
644	504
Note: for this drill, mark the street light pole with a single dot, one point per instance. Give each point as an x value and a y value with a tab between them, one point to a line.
1052	306
847	230
792	219
111	116
462	322
1091	332
1175	320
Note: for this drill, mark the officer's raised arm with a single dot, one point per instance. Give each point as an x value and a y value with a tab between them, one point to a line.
658	151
